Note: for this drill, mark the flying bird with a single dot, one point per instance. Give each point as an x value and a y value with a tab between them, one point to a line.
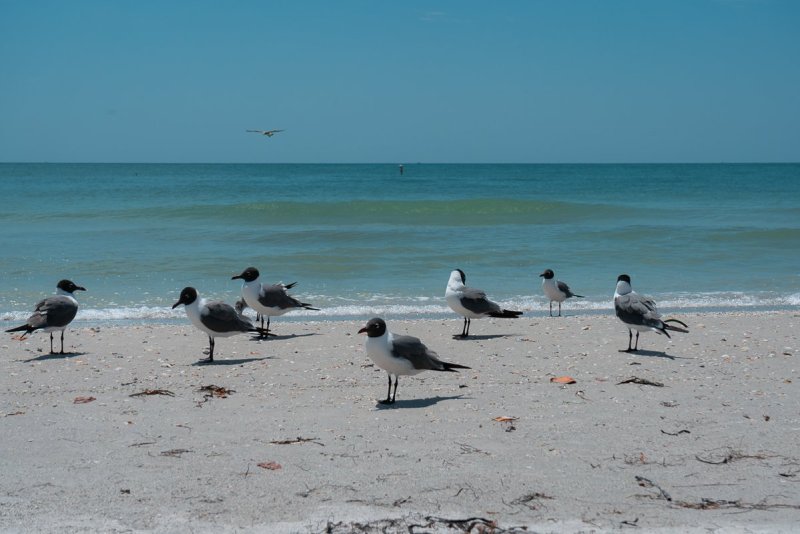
53	313
268	300
640	313
472	303
268	133
400	355
215	318
555	290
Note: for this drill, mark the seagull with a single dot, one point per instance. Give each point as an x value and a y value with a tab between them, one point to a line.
215	318
555	290
400	355
240	305
269	301
472	303
639	313
268	133
53	313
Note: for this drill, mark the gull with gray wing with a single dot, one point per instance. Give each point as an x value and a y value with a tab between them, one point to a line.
54	313
268	133
640	313
400	355
555	290
215	318
472	303
268	300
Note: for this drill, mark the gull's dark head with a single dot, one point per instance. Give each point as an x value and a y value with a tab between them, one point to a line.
68	286
248	275
547	274
375	328
624	278
462	275
188	295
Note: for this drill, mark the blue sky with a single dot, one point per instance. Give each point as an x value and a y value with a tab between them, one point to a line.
538	81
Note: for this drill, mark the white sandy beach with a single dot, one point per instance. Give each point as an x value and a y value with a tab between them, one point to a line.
300	444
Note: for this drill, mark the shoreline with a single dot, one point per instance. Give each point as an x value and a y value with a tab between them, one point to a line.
105	318
714	447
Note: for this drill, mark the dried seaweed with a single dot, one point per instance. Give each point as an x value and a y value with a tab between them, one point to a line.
647	483
732	456
641	381
153	392
297	440
714	504
678	433
216	391
175	452
470	525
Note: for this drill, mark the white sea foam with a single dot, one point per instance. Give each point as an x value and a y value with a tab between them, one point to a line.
398	306
792	300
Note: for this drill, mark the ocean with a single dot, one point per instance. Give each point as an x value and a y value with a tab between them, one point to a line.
364	240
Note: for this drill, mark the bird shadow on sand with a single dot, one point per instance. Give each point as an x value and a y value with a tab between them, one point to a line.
416	403
54	356
276	337
236	361
479	337
655	354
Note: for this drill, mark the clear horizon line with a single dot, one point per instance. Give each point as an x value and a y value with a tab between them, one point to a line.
393	163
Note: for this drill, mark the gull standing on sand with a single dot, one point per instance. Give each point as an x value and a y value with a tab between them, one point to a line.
269	301
400	355
472	303
53	313
555	290
639	313
215	318
268	133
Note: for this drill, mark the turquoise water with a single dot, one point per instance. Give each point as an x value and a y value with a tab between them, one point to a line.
364	240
